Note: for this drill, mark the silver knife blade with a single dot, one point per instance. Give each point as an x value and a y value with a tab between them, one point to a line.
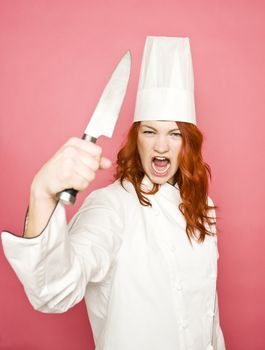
107	111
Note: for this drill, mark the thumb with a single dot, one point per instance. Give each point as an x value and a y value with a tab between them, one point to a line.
105	163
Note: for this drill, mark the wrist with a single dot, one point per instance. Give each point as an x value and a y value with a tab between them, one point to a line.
38	192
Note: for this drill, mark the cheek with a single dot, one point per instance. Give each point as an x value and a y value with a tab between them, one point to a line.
178	152
142	149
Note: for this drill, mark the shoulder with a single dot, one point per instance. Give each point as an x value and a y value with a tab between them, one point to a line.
210	201
112	203
212	216
113	195
211	210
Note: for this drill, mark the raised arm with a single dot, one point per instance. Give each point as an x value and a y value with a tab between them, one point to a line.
73	166
52	266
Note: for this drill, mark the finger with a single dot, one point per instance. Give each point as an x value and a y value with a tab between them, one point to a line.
73	153
88	161
86	146
74	167
89	155
79	183
85	172
105	163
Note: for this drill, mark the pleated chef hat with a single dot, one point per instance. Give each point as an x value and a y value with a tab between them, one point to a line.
166	87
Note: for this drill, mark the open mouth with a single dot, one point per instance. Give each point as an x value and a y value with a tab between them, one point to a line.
160	165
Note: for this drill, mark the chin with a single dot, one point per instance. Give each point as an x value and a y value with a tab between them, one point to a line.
159	180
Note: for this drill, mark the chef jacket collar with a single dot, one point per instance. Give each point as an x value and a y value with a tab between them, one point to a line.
167	190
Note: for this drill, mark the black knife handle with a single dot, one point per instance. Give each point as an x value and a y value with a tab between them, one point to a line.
68	196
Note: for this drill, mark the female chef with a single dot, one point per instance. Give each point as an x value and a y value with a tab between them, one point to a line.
141	251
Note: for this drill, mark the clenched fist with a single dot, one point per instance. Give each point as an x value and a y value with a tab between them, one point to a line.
74	165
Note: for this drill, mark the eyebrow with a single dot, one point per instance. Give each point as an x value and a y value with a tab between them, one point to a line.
151	127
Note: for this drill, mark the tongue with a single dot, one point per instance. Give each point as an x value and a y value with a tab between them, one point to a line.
160	166
160	163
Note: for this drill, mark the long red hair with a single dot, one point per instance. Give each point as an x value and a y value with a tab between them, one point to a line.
191	177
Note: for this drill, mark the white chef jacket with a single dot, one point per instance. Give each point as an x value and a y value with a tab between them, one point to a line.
145	285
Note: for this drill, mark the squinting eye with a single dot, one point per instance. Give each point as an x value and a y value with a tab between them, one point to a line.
176	134
148	132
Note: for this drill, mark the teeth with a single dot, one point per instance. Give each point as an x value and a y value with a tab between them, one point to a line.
161	158
161	170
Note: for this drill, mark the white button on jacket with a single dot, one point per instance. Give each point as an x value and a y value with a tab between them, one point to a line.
140	293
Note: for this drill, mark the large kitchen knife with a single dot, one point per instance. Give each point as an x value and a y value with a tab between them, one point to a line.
106	113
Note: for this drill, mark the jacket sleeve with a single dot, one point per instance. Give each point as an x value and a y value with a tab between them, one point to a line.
56	266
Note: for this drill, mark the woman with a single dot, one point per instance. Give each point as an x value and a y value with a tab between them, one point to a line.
142	251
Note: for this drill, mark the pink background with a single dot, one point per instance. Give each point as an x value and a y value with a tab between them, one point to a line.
56	57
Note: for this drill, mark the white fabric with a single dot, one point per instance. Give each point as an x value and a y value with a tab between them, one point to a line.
166	84
145	286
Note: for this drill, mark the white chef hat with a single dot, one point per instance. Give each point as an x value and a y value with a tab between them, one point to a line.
166	87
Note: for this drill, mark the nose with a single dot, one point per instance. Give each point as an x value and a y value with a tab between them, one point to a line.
161	144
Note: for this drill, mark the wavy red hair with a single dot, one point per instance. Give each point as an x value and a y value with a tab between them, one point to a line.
192	177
